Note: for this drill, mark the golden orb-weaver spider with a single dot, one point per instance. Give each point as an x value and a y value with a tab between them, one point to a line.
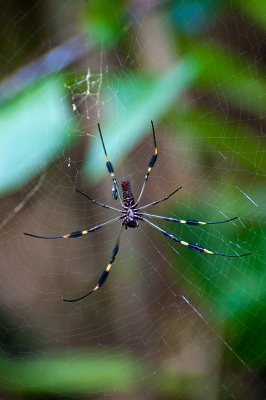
131	214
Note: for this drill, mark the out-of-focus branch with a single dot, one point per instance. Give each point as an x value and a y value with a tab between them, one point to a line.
53	61
22	203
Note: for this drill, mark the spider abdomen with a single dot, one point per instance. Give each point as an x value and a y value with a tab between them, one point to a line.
128	198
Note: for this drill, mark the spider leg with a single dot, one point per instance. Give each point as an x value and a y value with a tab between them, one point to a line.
150	165
97	202
110	169
74	234
104	274
159	201
192	246
187	221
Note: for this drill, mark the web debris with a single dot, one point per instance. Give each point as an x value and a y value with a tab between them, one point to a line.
249	198
85	92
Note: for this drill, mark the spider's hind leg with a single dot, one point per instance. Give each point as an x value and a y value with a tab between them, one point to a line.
193	246
104	275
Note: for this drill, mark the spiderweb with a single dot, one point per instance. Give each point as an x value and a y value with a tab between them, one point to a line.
177	313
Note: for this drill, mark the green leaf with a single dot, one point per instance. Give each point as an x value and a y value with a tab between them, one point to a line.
247	335
65	373
34	129
231	138
101	26
132	102
229	76
255	10
235	289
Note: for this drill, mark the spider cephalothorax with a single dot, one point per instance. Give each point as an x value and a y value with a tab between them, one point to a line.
130	213
130	218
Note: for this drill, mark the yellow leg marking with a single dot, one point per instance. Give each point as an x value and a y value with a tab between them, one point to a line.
106	158
184	243
84	232
96	288
149	169
109	266
202	223
207	251
182	221
66	236
156	151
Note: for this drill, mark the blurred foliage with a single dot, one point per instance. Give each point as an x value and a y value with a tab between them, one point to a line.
88	373
193	15
70	373
239	297
139	96
37	124
209	127
256	11
228	75
103	21
35	127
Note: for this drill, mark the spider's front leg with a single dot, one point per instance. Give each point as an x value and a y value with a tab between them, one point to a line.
110	169
150	165
105	272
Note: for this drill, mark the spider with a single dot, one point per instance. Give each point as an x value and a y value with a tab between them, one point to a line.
131	213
